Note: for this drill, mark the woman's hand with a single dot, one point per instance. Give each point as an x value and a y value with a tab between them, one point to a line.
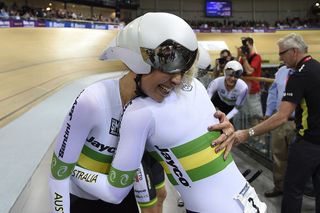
227	138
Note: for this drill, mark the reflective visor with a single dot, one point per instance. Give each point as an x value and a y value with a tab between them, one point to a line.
231	72
169	57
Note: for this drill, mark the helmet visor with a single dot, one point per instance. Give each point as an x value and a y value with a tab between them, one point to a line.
231	72
170	57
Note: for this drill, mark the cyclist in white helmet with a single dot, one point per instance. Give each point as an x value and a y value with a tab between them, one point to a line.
228	92
170	118
89	137
204	65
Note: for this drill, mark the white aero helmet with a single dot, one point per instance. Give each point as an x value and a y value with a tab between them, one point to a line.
233	68
204	61
160	40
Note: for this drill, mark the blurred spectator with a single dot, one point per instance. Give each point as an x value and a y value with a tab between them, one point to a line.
283	135
225	56
203	65
3	13
228	92
302	97
251	62
15	12
251	112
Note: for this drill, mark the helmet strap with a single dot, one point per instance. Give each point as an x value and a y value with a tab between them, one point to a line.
139	91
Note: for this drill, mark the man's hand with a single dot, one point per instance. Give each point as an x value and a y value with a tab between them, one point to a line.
226	139
241	136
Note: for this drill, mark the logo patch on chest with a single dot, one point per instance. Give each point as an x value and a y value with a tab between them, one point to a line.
186	87
114	127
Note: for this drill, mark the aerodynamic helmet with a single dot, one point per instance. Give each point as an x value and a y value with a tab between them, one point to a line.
160	40
233	68
204	61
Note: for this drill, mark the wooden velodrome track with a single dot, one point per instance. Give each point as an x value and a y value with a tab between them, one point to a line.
35	62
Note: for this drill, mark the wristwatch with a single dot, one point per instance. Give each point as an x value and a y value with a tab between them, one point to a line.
251	132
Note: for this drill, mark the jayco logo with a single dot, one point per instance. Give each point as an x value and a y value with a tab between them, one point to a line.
170	161
101	147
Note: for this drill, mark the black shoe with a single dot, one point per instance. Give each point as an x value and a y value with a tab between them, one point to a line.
273	193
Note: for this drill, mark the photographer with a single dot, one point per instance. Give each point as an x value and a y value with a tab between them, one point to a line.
251	62
225	56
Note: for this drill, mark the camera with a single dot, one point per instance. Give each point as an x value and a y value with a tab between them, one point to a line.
224	60
244	48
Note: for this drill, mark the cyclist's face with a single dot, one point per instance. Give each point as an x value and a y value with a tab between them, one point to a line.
231	80
158	85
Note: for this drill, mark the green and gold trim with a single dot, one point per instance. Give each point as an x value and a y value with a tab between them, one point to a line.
148	204
160	185
121	179
95	161
59	169
197	158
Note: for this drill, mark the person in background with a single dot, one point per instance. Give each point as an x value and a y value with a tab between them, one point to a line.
204	66
281	136
228	92
225	56
301	95
251	62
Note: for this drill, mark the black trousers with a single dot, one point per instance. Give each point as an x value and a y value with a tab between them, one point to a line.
79	205
303	163
219	104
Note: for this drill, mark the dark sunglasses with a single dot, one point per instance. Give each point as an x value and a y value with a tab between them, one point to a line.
232	73
170	57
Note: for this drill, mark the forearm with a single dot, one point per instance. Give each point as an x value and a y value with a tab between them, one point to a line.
99	185
247	68
212	87
59	195
271	123
114	186
232	113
